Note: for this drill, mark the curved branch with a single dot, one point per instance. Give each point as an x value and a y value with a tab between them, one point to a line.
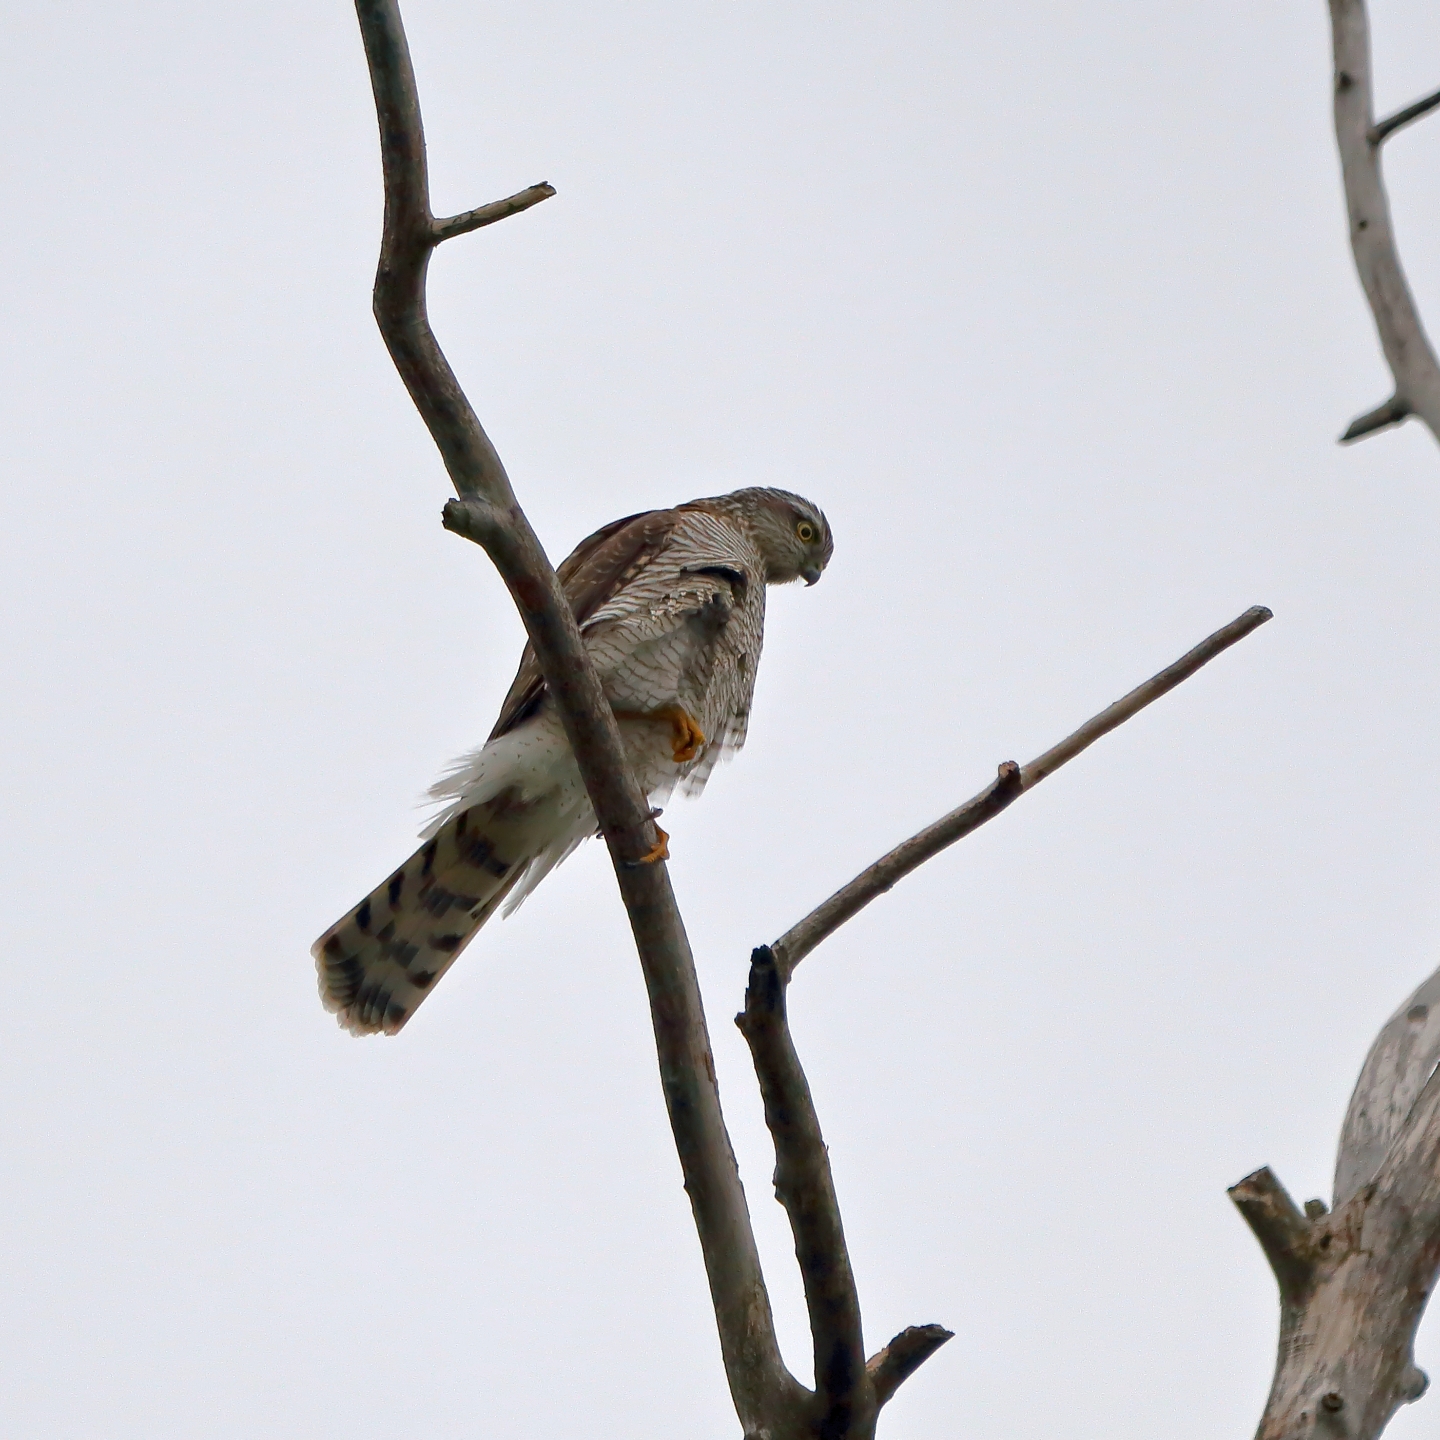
1407	348
1012	782
763	1390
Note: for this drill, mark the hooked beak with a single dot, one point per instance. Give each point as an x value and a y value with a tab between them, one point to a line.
810	574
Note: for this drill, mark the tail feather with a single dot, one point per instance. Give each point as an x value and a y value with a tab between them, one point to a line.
377	964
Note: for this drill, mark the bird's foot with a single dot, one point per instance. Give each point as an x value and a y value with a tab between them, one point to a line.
687	739
660	850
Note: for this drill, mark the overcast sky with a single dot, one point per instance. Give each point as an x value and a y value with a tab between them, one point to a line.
1050	307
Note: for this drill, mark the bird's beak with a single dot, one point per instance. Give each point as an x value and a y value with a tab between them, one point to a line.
810	574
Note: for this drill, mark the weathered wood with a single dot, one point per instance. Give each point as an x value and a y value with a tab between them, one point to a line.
1399	1064
1354	1281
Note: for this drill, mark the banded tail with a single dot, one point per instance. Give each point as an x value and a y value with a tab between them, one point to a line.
379	962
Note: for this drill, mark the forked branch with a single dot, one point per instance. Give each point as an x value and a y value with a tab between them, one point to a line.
1407	348
850	1392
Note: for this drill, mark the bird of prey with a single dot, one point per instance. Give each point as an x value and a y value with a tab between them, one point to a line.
671	605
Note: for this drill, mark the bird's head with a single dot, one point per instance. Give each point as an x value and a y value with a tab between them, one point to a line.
792	535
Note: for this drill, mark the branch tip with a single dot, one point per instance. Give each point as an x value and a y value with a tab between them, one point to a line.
1392	412
1281	1228
903	1356
470	517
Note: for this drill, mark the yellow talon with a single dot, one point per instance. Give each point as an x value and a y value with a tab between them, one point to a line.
660	850
687	739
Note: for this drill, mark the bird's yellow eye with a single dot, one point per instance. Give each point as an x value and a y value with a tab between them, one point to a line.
806	531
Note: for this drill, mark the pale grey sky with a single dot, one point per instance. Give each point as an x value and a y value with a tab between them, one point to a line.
1050	307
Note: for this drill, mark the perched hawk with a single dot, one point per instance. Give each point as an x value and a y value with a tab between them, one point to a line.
671	604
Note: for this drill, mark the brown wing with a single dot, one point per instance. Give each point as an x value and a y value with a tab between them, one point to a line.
593	571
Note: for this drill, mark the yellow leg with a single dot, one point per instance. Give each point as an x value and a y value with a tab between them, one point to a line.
660	850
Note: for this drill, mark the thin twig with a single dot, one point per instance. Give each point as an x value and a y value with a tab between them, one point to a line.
1382	130
1407	348
765	1393
805	1186
489	214
1012	782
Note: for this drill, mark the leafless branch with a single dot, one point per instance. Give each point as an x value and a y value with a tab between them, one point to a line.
1012	782
1382	417
487	512
1372	239
848	1392
805	1187
1382	130
489	214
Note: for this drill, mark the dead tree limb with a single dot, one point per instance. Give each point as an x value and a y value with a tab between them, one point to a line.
488	513
1354	1281
1407	348
771	1403
1012	782
845	1392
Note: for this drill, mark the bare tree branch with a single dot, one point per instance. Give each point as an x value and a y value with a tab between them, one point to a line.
1382	130
903	1356
487	512
806	1188
489	214
797	942
1372	239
